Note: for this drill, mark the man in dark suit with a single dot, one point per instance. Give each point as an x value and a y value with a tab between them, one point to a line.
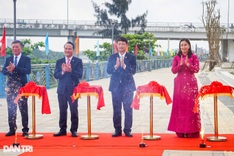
68	70
122	67
16	69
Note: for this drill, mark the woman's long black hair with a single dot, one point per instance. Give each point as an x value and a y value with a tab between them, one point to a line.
189	50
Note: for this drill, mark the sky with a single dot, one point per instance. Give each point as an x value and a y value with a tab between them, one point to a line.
167	11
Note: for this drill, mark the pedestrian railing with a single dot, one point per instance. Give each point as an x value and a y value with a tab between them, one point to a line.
43	74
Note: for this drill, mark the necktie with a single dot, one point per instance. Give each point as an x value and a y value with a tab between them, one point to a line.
15	62
121	59
68	61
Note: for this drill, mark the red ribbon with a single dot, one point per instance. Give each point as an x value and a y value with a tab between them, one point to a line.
215	88
31	89
83	88
152	88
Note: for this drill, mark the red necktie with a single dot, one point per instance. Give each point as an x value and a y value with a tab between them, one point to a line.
68	61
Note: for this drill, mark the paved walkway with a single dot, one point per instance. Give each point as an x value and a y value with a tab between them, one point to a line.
102	119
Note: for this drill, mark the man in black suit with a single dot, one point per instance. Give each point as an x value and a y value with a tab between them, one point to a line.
68	70
16	69
122	67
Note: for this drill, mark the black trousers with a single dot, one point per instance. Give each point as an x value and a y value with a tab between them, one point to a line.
122	98
64	101
12	112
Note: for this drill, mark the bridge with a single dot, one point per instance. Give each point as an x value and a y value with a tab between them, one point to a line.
87	29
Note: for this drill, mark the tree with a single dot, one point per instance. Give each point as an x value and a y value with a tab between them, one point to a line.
37	56
121	22
144	42
105	52
28	47
211	22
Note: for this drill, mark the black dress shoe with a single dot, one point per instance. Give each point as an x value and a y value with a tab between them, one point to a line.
60	133
10	133
128	134
25	134
74	134
116	134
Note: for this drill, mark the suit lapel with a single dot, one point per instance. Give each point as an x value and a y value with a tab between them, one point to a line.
20	60
63	60
12	59
126	57
72	60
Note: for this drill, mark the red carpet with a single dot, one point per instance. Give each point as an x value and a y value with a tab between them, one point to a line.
120	146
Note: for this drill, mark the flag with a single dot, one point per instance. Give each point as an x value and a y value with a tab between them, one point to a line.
151	50
3	41
77	44
47	44
158	51
136	50
171	52
115	47
162	53
168	52
97	49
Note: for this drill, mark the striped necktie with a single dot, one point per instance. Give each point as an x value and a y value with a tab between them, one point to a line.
68	61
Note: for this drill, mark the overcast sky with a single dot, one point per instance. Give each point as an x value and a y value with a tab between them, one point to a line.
158	11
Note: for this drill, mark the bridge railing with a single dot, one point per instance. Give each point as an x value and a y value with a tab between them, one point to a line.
90	25
43	74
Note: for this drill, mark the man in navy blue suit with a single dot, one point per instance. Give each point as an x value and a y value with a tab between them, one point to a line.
68	70
16	69
122	67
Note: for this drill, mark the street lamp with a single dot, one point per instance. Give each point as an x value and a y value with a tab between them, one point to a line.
67	13
228	15
112	35
14	19
227	28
